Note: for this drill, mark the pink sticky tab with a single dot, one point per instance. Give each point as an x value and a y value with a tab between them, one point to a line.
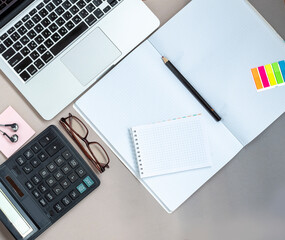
25	132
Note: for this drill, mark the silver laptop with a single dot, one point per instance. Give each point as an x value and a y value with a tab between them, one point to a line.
53	50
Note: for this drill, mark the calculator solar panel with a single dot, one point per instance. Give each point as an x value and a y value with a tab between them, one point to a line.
47	176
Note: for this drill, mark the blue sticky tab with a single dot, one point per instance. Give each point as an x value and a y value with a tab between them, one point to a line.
282	68
88	181
81	188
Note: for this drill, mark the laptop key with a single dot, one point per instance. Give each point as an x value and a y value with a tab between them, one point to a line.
16	59
48	43
62	31
77	31
17	46
76	19
55	37
29	24
107	9
60	21
9	53
24	40
4	36
25	76
67	15
74	10
22	65
83	13
36	18
81	4
50	7
32	45
47	57
2	48
25	18
39	39
39	63
31	34
45	22
66	4
69	25
15	36
97	2
25	51
57	2
8	42
18	24
39	28
41	49
46	33
52	16
98	13
32	69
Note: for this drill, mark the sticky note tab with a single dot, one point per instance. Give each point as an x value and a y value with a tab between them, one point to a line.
256	78
277	73
263	76
25	132
270	75
282	68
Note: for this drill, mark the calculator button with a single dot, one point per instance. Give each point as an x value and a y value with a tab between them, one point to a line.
35	162
65	183
28	168
43	188
66	201
42	156
36	148
66	155
58	175
43	202
80	171
81	188
36	194
47	139
54	148
44	173
73	177
20	160
51	167
36	179
88	181
59	161
74	194
49	197
51	181
73	163
66	169
58	207
29	185
28	154
58	190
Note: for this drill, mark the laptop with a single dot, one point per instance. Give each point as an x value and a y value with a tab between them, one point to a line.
53	50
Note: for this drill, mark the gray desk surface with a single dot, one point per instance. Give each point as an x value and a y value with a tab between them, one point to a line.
245	200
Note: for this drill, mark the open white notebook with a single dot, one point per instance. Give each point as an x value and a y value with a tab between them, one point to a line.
171	146
214	44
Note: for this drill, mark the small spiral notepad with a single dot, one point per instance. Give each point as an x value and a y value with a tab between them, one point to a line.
171	146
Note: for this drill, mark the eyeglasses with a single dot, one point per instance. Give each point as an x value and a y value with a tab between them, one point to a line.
79	132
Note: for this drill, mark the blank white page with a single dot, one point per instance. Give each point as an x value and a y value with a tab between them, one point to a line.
142	90
171	146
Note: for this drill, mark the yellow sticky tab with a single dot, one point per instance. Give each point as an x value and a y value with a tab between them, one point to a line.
270	74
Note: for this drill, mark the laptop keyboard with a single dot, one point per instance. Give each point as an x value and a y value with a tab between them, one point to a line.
53	173
48	29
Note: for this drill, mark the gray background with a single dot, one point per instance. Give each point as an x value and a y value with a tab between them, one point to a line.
245	200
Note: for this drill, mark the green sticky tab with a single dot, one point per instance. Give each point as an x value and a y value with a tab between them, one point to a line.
88	181
277	73
81	188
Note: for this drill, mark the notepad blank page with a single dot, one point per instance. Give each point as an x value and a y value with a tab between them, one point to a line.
171	146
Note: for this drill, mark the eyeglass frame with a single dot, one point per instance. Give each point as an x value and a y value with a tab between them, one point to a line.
72	133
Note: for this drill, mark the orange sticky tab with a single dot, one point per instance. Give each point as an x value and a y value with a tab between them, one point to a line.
256	78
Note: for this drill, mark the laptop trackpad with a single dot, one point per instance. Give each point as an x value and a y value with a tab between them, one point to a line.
91	56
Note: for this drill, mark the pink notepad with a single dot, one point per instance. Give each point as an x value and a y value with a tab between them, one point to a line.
25	132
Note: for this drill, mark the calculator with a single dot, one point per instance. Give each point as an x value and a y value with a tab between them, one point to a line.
42	182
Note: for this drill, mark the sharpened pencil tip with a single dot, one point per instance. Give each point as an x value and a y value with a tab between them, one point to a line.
164	59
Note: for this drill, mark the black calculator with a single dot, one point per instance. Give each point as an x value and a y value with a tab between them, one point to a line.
42	182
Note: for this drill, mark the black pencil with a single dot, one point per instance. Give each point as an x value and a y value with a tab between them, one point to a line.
191	89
